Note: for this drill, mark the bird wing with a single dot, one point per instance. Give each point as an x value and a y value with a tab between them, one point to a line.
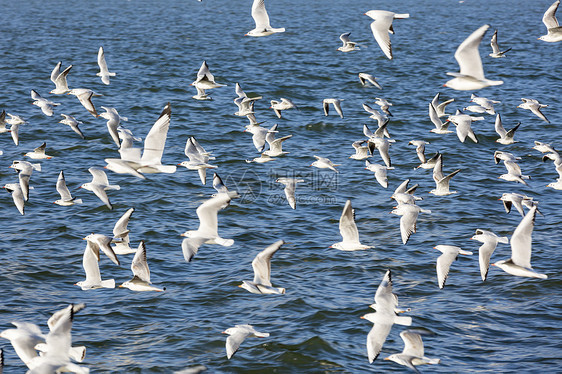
101	62
102	195
139	266
521	241
86	101
90	265
120	229
62	189
262	264
348	228
233	341
376	338
380	28
190	246
443	265
208	214
494	43
549	18
438	169
467	54
99	176
384	298
413	344
499	127
155	141
408	224
259	14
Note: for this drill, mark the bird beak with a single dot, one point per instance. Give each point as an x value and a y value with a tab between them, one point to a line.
362	317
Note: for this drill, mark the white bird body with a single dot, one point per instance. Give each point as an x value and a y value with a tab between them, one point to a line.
409	215
99	185
450	254
121	232
534	106
335	102
141	273
205	80
496	52
489	242
554	31
282	104
72	123
66	198
364	78
506	137
380	172
440	107
17	196
290	186
198	159
382	26
59	79
262	272
362	152
324	163
25	169
348	45
237	335
348	230
413	352
471	75
440	127
92	270
207	233
442	181
45	105
39	153
521	245
261	18
104	73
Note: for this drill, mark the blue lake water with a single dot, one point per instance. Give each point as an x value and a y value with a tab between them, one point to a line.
506	324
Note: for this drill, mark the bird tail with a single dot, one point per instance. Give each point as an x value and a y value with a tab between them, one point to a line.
402	15
77	353
110	283
401	320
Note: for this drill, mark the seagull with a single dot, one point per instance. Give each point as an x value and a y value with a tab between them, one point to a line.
39	153
141	273
440	127
440	107
237	335
282	104
361	151
104	74
25	169
85	95
382	122
262	159
384	104
113	120
554	156
17	196
516	200
201	95
462	122
275	145
409	215
496	53
66	198
471	75
386	304
76	353
554	31
24	338
405	195
383	145
506	137
430	163
259	14
207	233
521	243
245	108
45	105
489	242
442	181
450	254
259	135
151	159
348	231
382	26
420	149
73	123
262	272
59	79
15	121
205	80
348	45
121	232
324	163
290	186
380	172
99	185
513	173
413	353
364	78
485	103
534	106
58	348
92	270
198	159
337	106
100	241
